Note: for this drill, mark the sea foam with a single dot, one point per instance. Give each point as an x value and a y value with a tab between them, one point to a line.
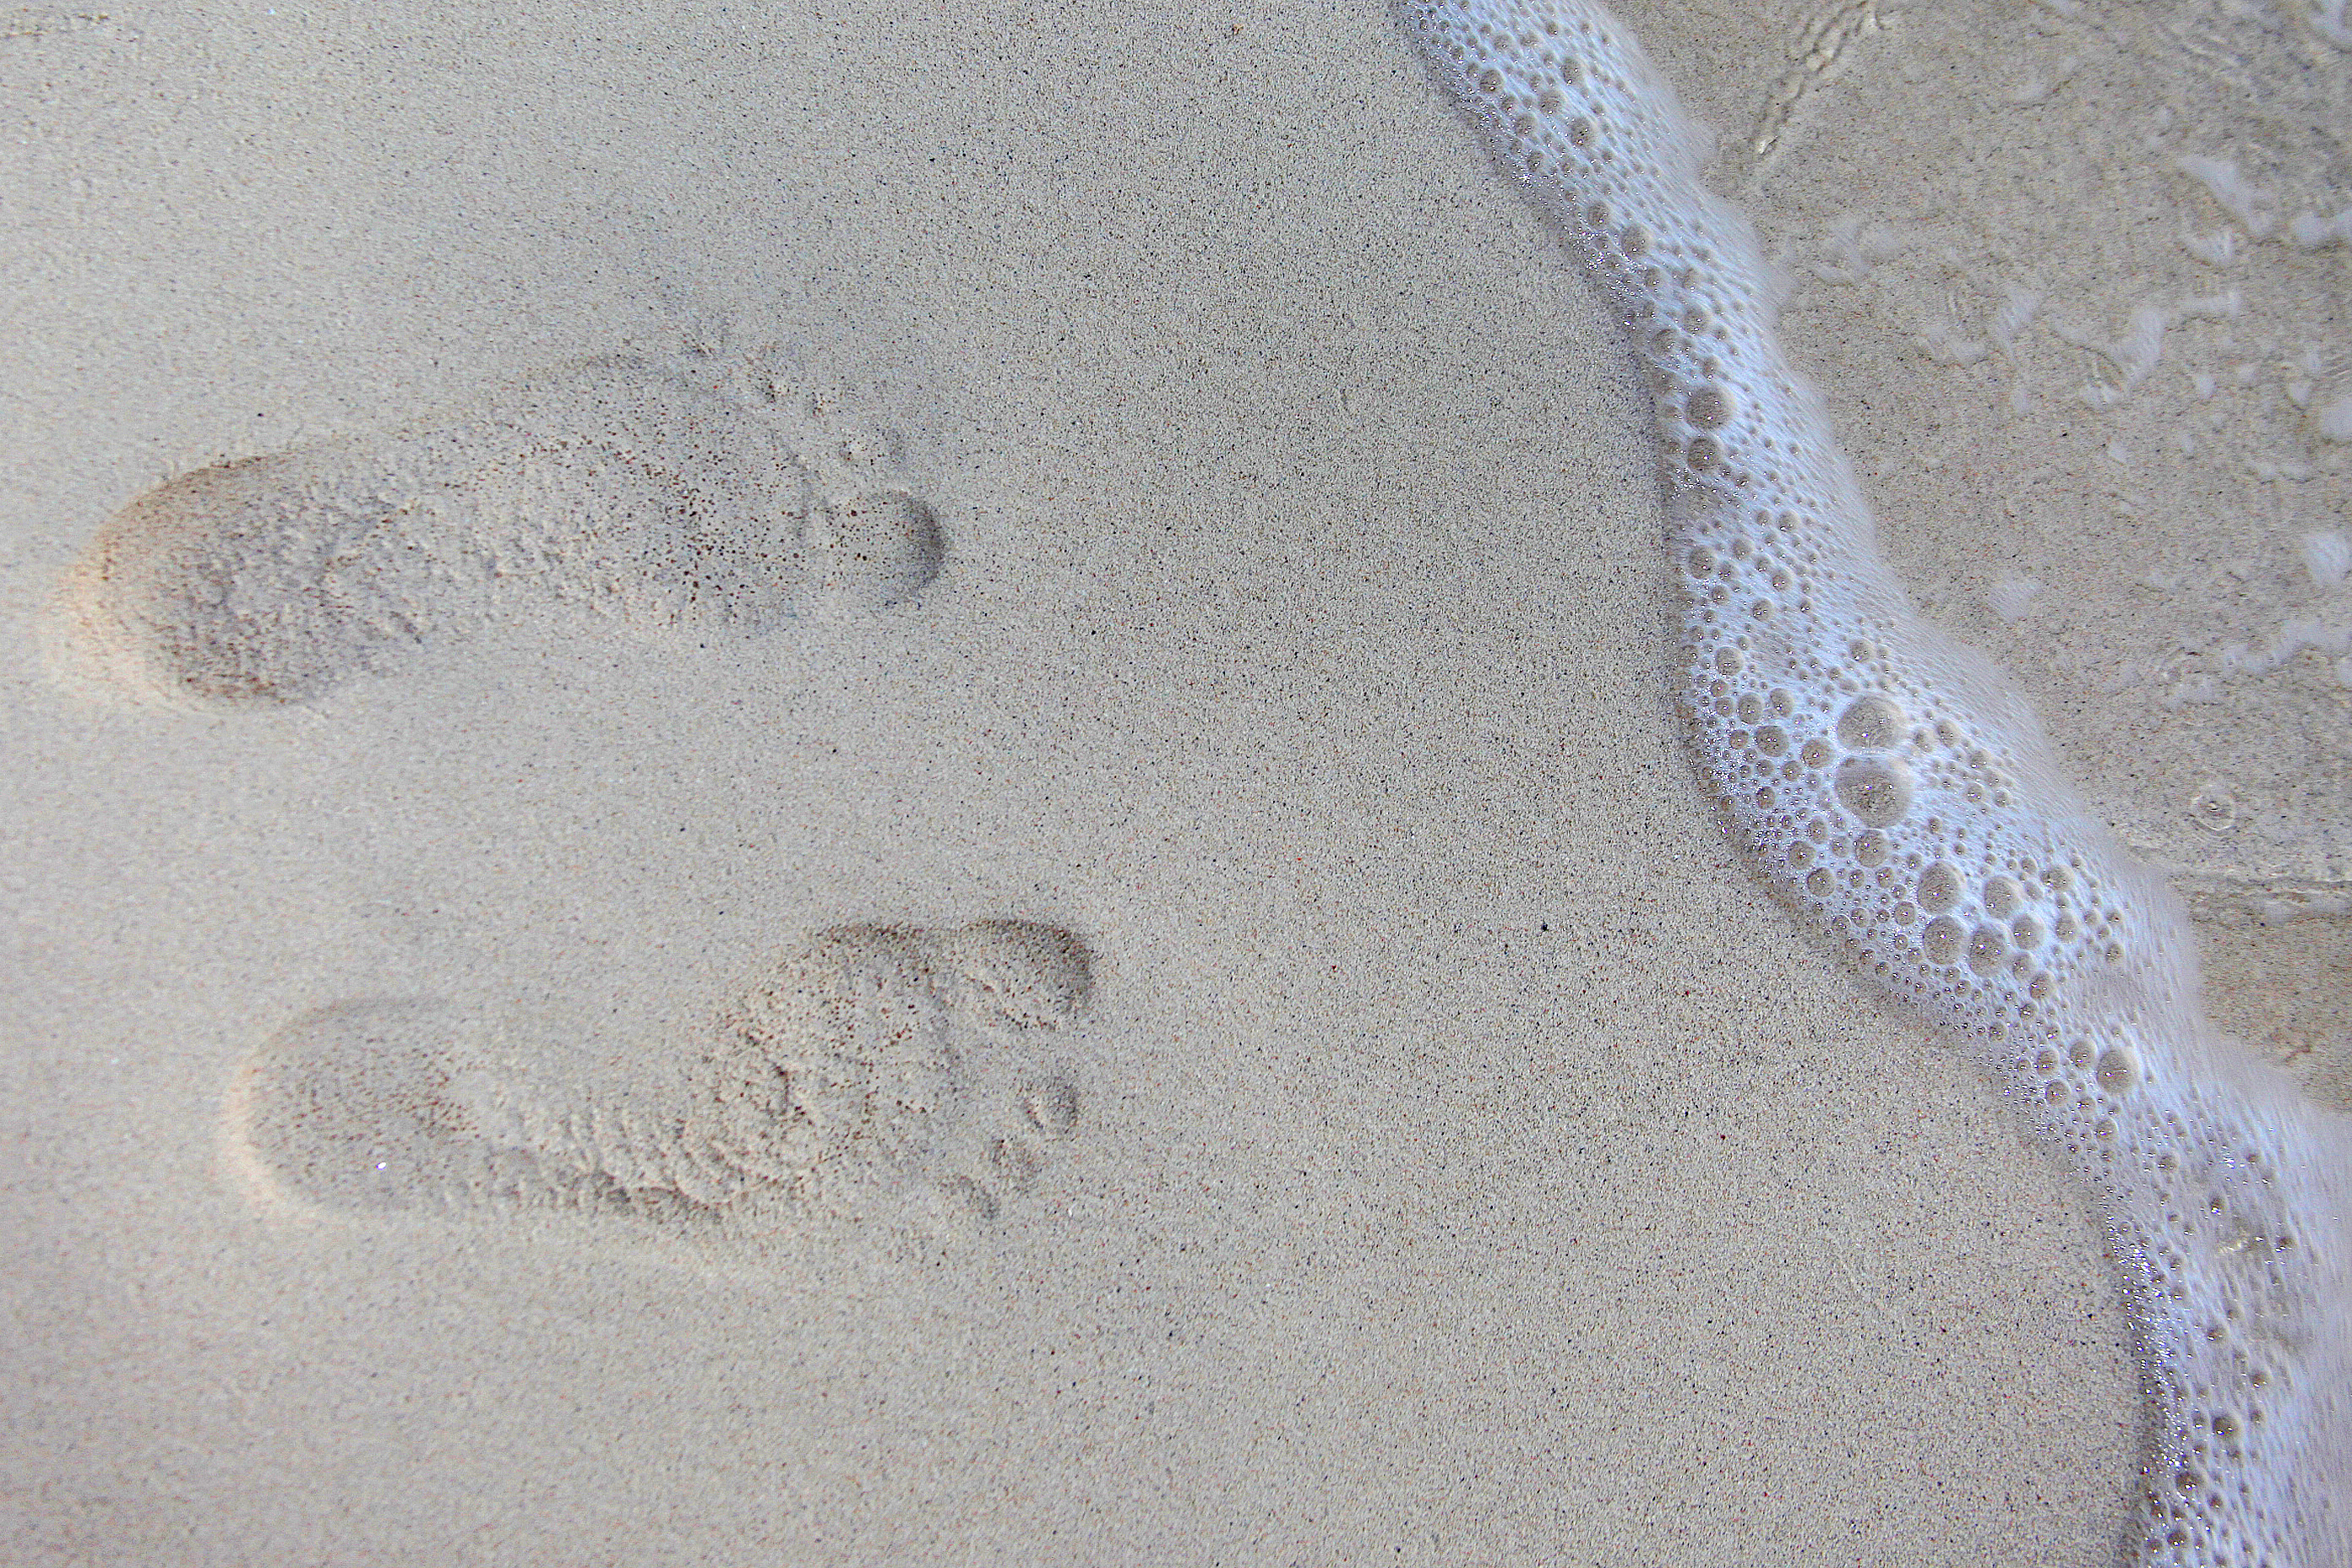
1892	789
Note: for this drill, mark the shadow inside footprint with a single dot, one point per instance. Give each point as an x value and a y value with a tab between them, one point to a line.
612	485
364	1106
870	1070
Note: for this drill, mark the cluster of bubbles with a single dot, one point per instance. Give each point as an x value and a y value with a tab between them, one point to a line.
1891	790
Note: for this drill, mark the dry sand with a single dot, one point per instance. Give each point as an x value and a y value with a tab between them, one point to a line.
1464	1160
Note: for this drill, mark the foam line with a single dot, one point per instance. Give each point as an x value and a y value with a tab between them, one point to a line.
1892	789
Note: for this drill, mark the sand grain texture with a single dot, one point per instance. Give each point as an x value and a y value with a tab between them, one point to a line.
1455	1157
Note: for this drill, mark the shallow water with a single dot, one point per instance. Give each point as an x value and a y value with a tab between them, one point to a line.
2089	399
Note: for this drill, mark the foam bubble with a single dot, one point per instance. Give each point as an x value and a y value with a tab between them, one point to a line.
2046	951
1876	790
1942	939
1872	723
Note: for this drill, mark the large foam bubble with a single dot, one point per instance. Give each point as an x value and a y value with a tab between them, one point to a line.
1894	790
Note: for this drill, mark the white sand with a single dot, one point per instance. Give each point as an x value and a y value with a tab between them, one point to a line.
1472	1165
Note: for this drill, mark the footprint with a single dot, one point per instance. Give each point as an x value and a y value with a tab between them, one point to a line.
1822	49
653	495
874	1072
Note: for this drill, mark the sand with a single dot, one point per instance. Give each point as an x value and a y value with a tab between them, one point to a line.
1464	1160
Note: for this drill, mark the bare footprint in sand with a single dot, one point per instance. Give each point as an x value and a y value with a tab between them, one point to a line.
651	495
874	1073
